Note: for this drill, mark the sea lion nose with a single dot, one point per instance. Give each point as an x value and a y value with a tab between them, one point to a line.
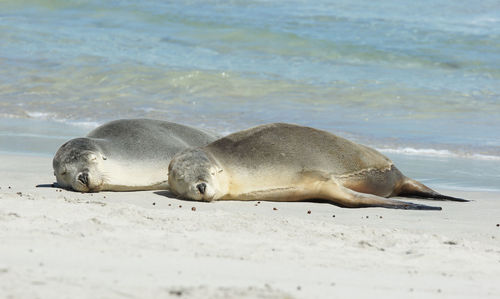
84	178
201	187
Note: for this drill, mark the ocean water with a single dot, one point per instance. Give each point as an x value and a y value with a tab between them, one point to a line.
420	81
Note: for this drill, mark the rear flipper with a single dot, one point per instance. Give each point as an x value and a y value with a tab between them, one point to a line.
339	195
412	188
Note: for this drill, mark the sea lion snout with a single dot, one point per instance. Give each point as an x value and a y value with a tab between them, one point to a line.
201	187
84	178
88	180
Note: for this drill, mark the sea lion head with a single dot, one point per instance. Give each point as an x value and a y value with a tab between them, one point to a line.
193	175
77	165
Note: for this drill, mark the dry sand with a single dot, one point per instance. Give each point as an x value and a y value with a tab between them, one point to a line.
60	244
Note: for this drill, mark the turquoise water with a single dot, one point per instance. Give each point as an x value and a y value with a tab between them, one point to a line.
419	81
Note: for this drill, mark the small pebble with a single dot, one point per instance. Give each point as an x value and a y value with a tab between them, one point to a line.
257	202
169	204
180	206
309	212
498	224
19	193
154	203
274	209
10	188
193	209
380	217
333	216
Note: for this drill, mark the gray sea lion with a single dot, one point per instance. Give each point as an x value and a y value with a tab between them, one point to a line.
284	162
124	155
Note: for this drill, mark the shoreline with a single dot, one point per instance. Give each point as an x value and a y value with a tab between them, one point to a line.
144	244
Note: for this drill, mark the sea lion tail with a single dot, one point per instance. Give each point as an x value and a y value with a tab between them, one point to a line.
412	188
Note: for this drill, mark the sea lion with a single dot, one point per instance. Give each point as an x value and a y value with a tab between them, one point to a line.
285	162
124	155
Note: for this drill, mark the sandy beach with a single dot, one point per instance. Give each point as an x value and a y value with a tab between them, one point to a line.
56	243
418	81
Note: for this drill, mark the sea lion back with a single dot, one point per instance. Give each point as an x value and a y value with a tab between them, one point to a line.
303	148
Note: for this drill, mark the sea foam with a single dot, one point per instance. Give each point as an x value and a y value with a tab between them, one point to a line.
429	152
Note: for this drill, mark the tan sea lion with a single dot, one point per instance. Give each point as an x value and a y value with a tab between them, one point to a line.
285	162
124	155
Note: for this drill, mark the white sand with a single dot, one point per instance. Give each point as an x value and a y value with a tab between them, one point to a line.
56	244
